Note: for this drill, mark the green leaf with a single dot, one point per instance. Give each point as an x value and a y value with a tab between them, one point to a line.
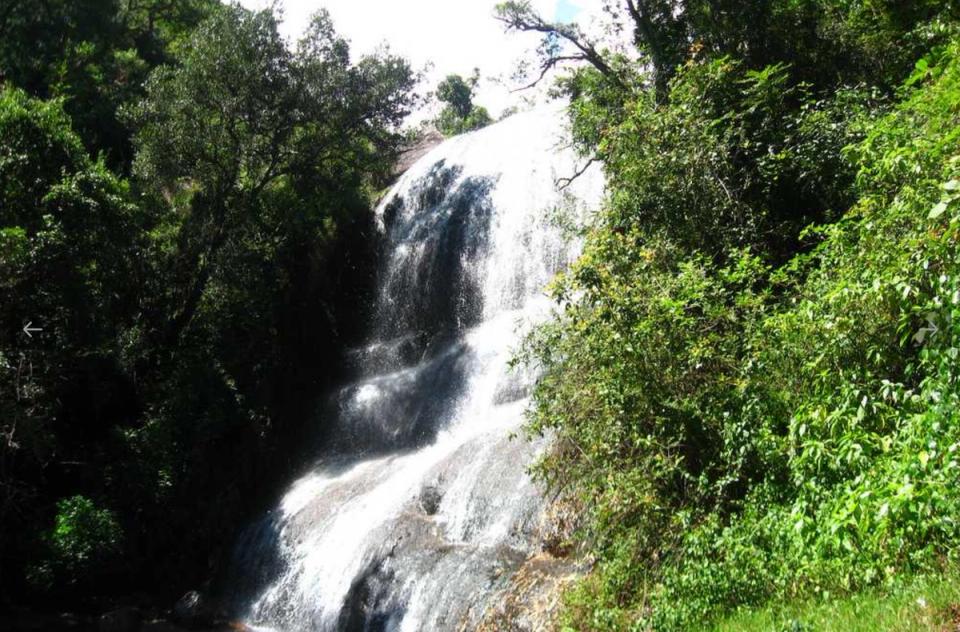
937	210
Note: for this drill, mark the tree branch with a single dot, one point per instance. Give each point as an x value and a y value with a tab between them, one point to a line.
521	18
563	183
546	67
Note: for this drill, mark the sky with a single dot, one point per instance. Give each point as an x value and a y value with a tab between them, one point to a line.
453	36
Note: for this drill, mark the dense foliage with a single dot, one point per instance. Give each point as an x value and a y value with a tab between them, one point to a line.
95	55
459	113
184	215
754	382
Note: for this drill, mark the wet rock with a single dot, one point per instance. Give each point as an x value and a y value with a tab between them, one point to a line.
531	602
511	390
121	620
558	523
430	497
194	610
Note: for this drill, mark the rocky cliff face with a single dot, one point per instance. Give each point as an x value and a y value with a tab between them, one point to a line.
424	142
533	600
419	511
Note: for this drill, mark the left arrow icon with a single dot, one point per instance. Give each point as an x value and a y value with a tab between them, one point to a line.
29	328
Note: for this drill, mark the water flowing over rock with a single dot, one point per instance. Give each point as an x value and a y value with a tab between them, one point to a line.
420	510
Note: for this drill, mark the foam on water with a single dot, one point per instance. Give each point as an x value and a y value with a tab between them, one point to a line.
420	507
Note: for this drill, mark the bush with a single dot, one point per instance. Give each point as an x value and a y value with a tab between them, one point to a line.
460	115
450	123
84	544
748	405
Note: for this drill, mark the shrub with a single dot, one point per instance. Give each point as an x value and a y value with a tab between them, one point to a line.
83	545
743	425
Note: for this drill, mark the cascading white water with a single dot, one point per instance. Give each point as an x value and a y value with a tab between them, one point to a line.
421	507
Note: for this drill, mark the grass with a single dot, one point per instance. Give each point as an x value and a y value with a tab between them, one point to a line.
920	603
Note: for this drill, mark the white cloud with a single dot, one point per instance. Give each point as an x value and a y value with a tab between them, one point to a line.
455	36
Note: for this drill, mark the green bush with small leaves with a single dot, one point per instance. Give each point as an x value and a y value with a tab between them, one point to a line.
84	544
754	382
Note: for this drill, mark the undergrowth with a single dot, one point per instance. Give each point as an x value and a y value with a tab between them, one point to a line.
754	402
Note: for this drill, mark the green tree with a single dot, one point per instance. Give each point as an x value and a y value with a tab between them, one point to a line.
242	114
458	93
183	311
70	262
460	115
258	163
95	54
826	42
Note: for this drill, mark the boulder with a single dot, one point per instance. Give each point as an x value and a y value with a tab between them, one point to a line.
430	497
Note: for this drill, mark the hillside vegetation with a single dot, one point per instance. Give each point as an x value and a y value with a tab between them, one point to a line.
754	379
185	220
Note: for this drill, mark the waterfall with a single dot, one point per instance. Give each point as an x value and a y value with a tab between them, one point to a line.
420	507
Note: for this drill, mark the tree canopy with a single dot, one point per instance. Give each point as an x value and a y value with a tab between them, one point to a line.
460	115
185	218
